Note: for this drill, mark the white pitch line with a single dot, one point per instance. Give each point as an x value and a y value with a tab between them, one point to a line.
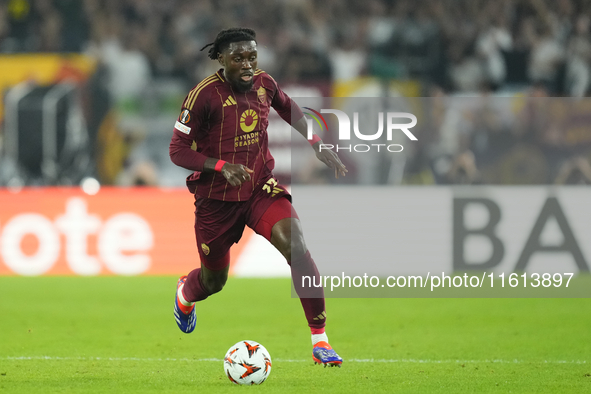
353	360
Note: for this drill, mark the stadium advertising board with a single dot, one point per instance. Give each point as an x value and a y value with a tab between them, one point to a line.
63	231
534	233
353	231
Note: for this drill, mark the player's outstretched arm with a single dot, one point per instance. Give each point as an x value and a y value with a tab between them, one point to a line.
288	110
327	156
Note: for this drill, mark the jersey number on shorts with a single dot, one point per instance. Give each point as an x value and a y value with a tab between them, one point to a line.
271	187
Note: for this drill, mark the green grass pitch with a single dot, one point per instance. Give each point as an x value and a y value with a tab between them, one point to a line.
118	335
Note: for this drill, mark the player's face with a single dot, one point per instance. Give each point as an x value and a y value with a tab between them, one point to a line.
240	63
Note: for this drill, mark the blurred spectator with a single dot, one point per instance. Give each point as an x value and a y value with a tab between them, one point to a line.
578	72
463	170
547	54
466	71
118	48
575	171
4	28
141	173
347	58
48	26
494	39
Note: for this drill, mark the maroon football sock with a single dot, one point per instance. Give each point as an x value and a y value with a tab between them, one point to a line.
312	298
194	290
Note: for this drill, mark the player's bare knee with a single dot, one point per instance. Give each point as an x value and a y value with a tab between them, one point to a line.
297	248
297	244
282	241
290	243
293	249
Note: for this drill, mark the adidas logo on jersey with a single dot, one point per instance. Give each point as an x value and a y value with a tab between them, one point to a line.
230	101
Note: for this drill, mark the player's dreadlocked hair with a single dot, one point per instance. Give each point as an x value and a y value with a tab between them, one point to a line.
225	37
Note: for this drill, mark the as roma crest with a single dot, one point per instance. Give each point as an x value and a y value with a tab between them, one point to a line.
262	93
205	249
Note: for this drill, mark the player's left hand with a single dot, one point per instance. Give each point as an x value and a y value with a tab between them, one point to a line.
331	159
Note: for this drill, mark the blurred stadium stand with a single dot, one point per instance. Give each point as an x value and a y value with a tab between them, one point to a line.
118	70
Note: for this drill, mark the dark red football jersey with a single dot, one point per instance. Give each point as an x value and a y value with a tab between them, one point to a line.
219	122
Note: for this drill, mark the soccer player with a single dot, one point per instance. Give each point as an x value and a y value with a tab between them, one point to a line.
221	134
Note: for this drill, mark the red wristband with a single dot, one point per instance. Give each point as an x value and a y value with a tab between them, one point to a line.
314	139
219	165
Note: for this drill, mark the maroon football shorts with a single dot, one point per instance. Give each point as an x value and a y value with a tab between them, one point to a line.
219	224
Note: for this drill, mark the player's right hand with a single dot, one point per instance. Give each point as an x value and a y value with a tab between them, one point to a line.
236	174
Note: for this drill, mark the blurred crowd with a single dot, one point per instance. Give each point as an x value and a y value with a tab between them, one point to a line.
541	48
526	140
460	45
